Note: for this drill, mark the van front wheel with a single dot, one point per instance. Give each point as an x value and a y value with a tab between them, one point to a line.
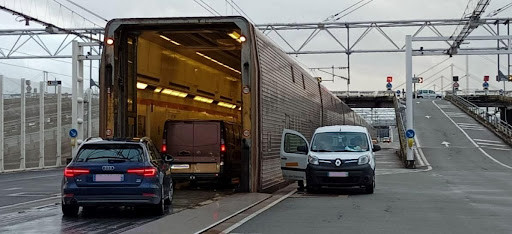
370	189
301	185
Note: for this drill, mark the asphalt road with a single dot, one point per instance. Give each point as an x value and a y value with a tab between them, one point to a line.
30	203
469	189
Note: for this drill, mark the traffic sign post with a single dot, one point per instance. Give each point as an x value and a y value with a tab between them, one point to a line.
54	82
73	133
389	86
455	87
417	80
486	87
410	133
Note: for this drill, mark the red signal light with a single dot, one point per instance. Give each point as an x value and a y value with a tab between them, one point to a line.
223	148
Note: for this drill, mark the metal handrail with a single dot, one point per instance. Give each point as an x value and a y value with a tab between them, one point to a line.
497	123
401	130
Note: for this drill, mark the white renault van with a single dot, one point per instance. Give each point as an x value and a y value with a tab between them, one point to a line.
338	156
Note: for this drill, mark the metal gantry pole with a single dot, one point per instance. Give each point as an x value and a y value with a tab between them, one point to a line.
348	60
2	141
451	78
408	86
23	126
467	74
41	124
77	105
59	125
89	112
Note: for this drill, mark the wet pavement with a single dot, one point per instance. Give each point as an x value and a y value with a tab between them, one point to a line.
39	211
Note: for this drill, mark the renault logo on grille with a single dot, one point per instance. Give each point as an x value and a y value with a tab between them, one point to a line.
108	168
337	162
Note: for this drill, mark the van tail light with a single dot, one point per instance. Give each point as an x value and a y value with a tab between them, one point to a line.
164	149
72	172
222	146
146	171
164	146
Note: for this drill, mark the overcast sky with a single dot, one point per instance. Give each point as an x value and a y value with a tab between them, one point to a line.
368	71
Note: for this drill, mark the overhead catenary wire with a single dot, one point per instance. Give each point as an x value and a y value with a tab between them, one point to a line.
499	10
428	69
346	9
35	69
353	10
237	6
207	7
87	10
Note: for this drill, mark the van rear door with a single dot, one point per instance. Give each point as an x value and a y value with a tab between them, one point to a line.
293	161
180	141
206	142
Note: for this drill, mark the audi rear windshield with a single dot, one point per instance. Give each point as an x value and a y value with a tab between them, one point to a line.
110	153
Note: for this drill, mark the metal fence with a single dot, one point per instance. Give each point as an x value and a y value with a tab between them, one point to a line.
34	132
494	123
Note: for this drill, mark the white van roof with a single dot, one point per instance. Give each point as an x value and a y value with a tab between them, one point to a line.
341	128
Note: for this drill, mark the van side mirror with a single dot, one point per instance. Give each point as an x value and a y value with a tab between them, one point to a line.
168	158
376	148
302	149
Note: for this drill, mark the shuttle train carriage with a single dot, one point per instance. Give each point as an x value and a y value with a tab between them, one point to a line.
211	68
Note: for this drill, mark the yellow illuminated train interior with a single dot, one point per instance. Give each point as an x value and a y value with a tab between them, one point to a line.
187	74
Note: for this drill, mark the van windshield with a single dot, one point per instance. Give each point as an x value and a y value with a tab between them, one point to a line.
340	142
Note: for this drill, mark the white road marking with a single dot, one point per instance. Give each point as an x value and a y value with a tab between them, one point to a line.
471	140
33	177
487	140
10	189
239	223
502	149
27	194
29	202
491	144
469	124
456	114
446	144
421	154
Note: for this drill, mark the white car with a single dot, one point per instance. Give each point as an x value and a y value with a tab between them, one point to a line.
428	94
339	156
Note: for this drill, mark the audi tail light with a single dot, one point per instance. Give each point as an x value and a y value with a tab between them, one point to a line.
146	171
72	172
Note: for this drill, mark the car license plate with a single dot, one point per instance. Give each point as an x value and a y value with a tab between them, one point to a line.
108	177
180	166
338	174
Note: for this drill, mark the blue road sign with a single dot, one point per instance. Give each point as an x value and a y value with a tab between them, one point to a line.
73	133
389	85
398	92
485	85
410	133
